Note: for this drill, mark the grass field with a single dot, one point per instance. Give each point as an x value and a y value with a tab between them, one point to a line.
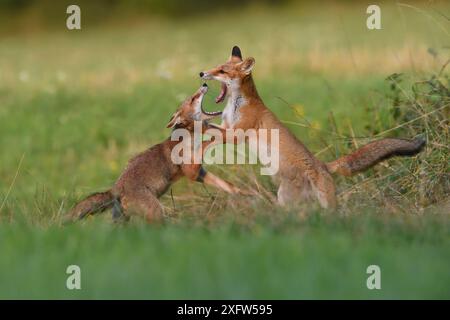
76	105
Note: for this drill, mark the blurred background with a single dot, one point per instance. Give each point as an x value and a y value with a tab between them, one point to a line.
81	102
75	105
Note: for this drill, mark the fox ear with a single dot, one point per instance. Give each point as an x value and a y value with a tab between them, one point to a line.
236	55
174	120
248	65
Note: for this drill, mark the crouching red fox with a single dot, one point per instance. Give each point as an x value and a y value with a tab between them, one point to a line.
149	174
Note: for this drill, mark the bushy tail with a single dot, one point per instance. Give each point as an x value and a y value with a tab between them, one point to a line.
372	153
96	202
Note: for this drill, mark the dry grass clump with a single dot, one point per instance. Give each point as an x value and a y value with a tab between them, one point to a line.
416	109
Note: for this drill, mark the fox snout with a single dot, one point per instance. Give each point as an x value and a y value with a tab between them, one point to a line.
200	92
205	75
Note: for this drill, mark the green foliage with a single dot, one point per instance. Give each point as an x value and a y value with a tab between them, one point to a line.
421	111
321	257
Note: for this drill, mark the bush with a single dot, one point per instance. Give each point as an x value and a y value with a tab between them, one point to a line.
421	111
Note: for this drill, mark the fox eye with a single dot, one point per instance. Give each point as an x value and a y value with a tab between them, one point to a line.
221	71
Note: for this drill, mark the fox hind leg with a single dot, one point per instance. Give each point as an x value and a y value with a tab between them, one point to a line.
321	186
324	190
291	194
144	203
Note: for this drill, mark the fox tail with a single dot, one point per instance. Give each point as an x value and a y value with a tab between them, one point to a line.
372	153
96	202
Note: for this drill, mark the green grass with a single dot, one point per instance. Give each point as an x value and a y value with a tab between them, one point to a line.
75	106
321	257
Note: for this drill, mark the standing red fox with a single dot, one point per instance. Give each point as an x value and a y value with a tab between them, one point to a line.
149	174
300	173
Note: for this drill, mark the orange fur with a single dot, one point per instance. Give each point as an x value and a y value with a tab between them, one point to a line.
149	174
301	174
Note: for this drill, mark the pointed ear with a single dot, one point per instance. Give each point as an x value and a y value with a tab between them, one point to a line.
236	52
174	120
247	65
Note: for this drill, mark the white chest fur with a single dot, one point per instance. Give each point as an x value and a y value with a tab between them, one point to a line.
231	113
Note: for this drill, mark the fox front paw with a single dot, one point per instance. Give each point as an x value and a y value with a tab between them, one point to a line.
215	126
246	192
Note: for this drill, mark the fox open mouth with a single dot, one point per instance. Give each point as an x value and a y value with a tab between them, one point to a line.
208	114
222	94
